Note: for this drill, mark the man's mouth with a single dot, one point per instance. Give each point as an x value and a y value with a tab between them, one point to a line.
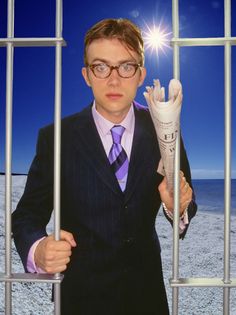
114	96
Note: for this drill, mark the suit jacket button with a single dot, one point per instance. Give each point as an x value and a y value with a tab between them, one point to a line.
128	241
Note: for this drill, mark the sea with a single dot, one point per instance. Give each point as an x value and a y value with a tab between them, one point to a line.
210	195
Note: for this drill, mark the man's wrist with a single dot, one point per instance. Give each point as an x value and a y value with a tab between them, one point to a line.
183	222
171	212
31	265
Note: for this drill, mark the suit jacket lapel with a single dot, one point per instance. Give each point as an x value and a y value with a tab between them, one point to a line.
143	138
90	145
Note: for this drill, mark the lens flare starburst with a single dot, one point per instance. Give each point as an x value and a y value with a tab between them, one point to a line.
156	38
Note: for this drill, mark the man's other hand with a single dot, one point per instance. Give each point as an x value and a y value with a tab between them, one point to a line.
167	197
53	256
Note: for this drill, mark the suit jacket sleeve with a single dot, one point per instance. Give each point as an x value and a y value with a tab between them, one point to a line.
34	209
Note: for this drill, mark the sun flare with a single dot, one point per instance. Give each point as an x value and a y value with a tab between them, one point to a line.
156	39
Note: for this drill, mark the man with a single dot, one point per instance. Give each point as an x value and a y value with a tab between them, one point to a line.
110	189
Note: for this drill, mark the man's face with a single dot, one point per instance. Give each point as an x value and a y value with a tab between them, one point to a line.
113	95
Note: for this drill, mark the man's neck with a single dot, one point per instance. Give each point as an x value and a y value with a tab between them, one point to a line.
113	117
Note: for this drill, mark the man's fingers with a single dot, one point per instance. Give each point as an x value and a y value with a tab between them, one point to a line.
59	246
57	262
52	270
56	254
185	192
67	236
186	198
185	187
163	185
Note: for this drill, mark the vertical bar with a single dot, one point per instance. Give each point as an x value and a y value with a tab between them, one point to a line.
59	18
57	145
226	297
57	124
8	181
175	266
8	156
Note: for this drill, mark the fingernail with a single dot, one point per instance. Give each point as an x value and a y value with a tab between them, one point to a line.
73	243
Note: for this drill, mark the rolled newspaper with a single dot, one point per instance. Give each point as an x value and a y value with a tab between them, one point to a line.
165	116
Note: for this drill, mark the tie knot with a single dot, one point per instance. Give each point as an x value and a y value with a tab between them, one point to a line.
117	132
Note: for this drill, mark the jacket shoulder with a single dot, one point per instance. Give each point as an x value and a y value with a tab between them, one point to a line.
67	122
143	115
140	107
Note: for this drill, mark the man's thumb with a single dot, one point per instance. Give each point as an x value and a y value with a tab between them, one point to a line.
67	236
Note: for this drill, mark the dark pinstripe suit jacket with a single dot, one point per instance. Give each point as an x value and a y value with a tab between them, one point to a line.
116	267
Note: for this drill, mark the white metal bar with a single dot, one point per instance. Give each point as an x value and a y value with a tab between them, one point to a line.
175	266
10	18
211	41
8	181
8	156
57	165
30	277
57	146
59	18
32	41
227	24
52	41
203	282
57	142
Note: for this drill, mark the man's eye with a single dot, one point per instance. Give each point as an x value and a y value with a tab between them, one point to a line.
127	66
101	67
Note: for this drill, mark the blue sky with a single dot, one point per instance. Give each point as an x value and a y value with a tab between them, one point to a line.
202	73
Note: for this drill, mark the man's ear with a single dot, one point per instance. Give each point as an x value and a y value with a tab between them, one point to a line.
85	75
142	76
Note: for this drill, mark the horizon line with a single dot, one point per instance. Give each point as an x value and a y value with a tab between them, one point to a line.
26	174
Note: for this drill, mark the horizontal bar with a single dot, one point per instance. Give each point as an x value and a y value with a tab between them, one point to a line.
31	277
202	282
211	41
34	42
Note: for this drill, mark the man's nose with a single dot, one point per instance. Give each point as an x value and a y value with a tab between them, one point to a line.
114	77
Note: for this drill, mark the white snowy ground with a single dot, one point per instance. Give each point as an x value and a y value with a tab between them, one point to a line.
201	255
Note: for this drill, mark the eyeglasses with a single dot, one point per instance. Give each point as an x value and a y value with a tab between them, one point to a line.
125	70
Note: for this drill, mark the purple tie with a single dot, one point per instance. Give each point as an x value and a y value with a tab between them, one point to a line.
118	157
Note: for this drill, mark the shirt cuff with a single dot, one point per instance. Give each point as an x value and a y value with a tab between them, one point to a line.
31	266
183	220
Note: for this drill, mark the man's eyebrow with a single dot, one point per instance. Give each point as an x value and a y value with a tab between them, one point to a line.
107	62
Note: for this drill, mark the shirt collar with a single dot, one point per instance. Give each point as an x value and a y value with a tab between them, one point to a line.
105	125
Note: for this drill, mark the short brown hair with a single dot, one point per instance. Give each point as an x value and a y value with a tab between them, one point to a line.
122	29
